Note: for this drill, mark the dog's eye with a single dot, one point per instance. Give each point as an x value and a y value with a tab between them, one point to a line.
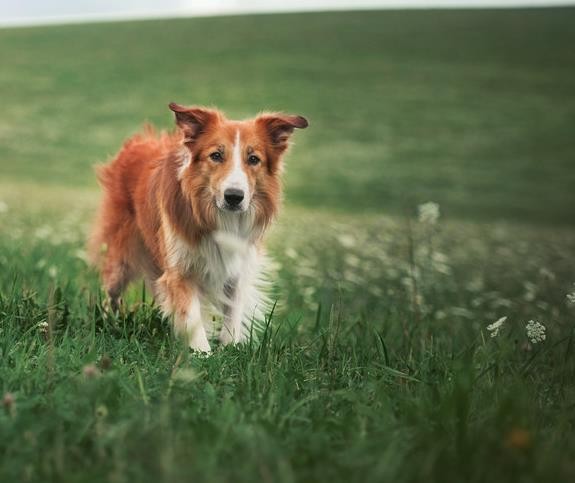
217	157
253	160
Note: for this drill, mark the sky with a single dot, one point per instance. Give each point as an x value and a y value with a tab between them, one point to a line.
30	12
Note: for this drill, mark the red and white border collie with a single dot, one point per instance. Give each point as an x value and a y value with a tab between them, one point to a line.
188	211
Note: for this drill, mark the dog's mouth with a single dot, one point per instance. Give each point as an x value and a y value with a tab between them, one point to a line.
227	207
233	208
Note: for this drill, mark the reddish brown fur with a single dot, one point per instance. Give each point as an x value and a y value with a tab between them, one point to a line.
144	194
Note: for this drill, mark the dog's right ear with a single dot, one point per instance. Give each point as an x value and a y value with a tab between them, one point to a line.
193	121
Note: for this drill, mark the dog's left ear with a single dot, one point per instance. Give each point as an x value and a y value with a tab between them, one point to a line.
280	127
193	121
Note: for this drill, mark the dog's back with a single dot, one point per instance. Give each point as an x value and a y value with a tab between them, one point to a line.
116	231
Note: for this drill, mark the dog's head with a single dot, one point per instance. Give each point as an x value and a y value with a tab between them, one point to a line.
233	166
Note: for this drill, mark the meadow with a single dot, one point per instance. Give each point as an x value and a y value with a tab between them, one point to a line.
424	266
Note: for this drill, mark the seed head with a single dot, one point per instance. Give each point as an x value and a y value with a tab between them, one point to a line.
8	400
518	438
9	403
105	363
90	371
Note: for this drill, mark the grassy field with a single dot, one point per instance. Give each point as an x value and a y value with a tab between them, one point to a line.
377	364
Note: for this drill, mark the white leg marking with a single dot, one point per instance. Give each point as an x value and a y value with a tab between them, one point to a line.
245	303
232	331
195	330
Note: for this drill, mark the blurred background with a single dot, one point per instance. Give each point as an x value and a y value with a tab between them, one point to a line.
469	108
27	12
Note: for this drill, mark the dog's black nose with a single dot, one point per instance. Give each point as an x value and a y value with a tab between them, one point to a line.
233	197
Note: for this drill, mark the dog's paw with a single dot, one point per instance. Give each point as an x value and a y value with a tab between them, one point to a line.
199	343
227	337
112	306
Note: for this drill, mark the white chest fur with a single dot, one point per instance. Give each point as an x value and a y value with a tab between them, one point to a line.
227	254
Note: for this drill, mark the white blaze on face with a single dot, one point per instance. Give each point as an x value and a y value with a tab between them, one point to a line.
237	178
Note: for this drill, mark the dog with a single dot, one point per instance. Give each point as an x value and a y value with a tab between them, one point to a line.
187	211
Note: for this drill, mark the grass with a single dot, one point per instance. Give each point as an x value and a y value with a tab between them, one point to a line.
376	364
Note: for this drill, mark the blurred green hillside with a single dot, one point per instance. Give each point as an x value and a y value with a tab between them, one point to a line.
472	109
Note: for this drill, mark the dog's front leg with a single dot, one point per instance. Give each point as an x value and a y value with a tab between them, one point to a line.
233	331
179	298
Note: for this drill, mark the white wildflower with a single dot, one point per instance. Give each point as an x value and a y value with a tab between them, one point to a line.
273	266
185	375
501	302
428	213
351	276
440	263
571	297
309	291
291	253
43	327
375	290
476	284
304	269
352	260
3	207
495	327
52	271
461	312
535	331
542	305
346	240
530	291
81	255
43	232
547	274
